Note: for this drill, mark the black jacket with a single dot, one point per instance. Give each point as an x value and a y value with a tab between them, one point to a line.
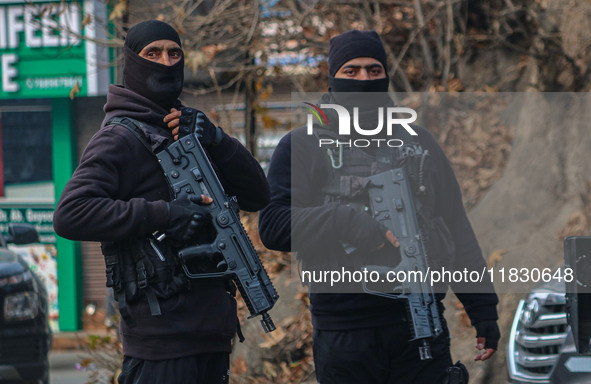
119	192
298	219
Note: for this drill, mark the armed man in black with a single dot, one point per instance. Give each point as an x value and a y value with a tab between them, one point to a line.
316	198
173	330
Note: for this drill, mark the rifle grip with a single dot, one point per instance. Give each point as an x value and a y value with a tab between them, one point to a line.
200	251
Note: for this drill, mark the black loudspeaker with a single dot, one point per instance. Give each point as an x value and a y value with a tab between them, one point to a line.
577	256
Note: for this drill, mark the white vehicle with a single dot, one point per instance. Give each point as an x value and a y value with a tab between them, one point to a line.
541	347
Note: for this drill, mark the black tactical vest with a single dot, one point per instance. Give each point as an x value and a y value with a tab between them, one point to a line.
350	166
142	267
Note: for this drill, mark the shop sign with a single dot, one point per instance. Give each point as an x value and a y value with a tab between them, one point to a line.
41	217
47	50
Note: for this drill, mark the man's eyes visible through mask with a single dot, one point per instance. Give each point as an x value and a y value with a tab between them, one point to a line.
175	53
166	52
162	56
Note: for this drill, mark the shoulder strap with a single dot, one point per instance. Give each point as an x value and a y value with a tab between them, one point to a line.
133	126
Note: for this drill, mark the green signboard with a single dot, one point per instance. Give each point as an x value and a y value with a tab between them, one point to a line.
47	49
39	215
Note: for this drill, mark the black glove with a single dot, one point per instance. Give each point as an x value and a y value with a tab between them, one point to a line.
194	121
488	329
185	218
359	229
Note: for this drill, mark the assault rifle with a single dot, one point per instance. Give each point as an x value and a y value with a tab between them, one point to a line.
392	204
189	171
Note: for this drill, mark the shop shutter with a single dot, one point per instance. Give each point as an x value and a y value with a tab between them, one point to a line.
93	274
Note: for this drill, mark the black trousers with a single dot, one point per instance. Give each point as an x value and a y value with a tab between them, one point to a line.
207	368
382	355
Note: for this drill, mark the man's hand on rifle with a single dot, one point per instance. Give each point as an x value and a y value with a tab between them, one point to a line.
362	231
186	216
194	121
172	120
391	239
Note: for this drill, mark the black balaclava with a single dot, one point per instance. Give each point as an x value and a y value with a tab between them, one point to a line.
348	46
159	83
351	45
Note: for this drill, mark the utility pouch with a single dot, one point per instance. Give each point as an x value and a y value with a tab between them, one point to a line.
162	270
457	374
142	268
109	250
